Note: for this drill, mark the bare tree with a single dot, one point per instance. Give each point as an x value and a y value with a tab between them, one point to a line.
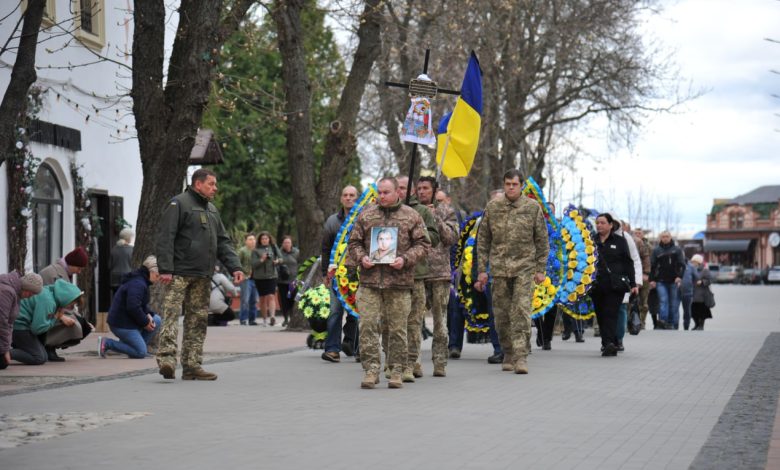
168	110
13	113
315	191
550	67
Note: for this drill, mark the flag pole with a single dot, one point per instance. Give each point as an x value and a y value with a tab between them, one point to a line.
440	166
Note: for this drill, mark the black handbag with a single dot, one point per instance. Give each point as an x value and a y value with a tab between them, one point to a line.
634	318
618	282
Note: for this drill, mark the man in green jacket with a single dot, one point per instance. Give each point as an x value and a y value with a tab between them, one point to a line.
190	240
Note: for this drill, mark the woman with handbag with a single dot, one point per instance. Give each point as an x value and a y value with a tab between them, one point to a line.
264	262
614	278
703	299
287	271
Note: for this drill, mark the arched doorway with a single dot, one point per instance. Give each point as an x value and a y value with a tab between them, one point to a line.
47	218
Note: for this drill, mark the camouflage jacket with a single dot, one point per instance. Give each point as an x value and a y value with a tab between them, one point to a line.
421	269
644	253
439	257
512	238
412	245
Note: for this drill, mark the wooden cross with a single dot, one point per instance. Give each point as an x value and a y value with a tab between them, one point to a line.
427	89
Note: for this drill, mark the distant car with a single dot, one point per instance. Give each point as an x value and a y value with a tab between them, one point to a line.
774	275
750	276
728	274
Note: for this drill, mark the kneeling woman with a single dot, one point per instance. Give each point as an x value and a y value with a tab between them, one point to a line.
615	277
130	318
37	315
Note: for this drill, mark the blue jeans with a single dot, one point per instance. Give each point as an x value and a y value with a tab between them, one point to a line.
687	300
491	321
669	303
132	341
456	321
622	317
335	319
248	301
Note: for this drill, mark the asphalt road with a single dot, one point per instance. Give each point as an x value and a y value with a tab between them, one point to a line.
671	400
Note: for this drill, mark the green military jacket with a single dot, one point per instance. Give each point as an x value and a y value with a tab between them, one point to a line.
422	270
512	238
191	238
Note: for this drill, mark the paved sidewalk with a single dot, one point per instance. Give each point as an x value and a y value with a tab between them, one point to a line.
654	407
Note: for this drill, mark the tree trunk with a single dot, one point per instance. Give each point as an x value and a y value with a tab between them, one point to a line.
167	118
314	199
12	114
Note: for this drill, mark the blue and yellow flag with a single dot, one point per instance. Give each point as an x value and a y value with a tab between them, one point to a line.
459	130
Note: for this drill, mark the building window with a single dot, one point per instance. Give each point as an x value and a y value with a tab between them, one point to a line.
47	218
90	19
736	220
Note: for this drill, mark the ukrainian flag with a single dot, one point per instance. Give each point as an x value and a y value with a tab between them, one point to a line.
459	130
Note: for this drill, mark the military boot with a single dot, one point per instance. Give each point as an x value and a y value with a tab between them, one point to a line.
370	379
521	366
408	375
508	364
417	370
439	371
197	373
168	371
396	380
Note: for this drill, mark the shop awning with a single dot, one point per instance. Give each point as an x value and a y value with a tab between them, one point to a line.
726	245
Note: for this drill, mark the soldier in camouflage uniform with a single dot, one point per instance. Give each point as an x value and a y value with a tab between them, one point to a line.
190	240
414	324
437	284
384	294
643	246
512	240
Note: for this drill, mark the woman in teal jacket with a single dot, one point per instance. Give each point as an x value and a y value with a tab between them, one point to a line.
37	315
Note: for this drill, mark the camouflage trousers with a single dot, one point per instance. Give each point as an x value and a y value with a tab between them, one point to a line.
512	313
383	308
439	293
644	292
192	295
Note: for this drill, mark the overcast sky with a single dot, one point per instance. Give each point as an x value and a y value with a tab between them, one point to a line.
721	145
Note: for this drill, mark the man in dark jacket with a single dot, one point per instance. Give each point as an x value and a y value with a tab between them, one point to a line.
190	240
333	345
667	268
13	288
130	318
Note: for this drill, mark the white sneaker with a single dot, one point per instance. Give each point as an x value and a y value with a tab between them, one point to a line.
101	350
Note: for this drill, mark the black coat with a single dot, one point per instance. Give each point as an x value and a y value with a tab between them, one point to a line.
613	253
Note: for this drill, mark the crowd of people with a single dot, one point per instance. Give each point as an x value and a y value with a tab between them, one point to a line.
400	247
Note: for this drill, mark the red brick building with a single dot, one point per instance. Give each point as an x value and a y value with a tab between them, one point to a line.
745	230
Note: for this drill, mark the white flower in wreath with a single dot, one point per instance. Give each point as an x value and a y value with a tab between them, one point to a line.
26	213
28	190
87	203
19	145
21	131
86	224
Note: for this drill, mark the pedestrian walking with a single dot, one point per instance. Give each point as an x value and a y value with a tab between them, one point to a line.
264	262
513	241
248	312
384	295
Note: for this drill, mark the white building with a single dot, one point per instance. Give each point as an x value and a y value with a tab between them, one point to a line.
86	119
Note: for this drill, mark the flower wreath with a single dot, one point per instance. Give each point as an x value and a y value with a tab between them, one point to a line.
315	306
346	281
546	292
580	264
476	312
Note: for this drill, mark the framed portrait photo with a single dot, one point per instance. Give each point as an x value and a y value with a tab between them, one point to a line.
384	242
